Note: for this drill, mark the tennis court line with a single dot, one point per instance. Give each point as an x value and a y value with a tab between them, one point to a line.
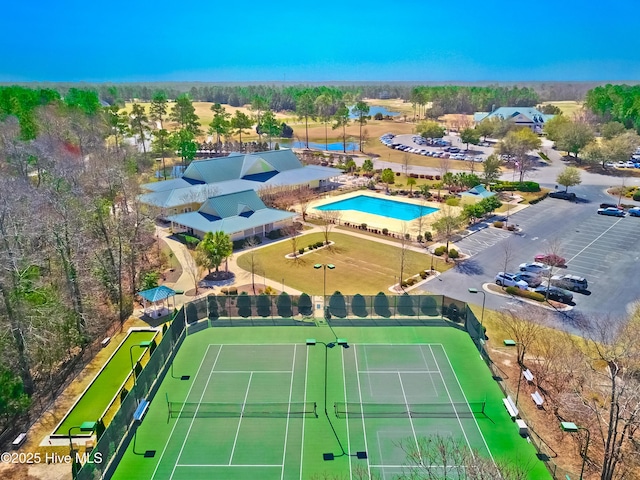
403	372
306	375
464	432
467	401
254	371
244	402
204	390
286	430
176	424
421	466
344	390
364	428
413	429
226	466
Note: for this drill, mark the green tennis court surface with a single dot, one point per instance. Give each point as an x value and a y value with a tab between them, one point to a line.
254	406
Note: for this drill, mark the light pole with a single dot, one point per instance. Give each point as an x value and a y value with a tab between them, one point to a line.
84	427
145	344
324	267
343	343
573	428
484	298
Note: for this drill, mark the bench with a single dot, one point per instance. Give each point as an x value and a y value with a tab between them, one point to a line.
523	429
537	398
19	441
105	342
509	343
511	407
141	411
528	375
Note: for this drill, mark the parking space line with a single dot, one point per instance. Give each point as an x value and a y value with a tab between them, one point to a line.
595	240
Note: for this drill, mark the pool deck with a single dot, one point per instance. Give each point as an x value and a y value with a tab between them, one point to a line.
377	221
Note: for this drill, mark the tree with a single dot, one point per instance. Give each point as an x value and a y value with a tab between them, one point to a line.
449	180
430	129
239	123
160	145
388	176
215	247
594	153
485	129
270	126
259	104
158	109
491	169
619	148
329	218
410	183
283	305
473	211
341	120
184	143
305	305
117	122
13	400
550	109
250	245
490	204
573	137
447	223
193	270
184	113
612	129
138	122
306	109
220	124
553	128
361	110
367	165
470	135
569	177
324	107
518	143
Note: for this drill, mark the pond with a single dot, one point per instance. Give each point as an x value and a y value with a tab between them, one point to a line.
334	147
373	109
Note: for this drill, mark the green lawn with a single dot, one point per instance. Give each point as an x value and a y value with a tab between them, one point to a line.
474	378
102	390
362	266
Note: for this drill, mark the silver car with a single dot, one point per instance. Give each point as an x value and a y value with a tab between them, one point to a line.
510	280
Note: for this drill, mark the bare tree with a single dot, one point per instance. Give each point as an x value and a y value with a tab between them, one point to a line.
405	243
524	326
305	195
254	261
329	220
293	231
193	270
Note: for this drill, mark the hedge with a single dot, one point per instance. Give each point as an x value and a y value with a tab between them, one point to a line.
516	186
538	297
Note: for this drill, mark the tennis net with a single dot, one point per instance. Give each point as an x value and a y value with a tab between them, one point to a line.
266	410
391	410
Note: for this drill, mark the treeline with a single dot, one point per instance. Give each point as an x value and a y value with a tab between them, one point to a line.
73	239
241	94
618	103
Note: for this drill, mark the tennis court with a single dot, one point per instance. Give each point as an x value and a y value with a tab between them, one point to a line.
254	405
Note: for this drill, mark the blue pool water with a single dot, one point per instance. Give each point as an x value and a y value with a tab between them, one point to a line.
381	206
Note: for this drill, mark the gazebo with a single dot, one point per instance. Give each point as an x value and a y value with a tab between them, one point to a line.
157	296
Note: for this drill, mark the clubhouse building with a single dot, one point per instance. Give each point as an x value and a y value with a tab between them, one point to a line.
521	116
221	194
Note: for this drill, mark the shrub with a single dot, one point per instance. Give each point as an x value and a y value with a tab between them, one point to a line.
419	238
381	305
359	306
405	305
498	224
263	305
404	284
511	228
453	253
244	305
338	305
269	290
319	244
233	291
423	275
636	195
212	306
274	234
305	306
429	306
301	251
428	237
411	281
224	291
440	250
385	231
538	297
363	226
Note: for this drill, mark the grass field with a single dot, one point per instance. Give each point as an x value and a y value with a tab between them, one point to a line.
354	273
98	396
569	107
401	366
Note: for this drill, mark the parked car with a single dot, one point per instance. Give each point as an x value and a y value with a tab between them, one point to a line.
611	211
634	212
563	195
554	293
610	205
550	259
510	280
532	279
534	267
570	282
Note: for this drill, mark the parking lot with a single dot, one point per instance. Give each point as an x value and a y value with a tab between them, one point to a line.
604	250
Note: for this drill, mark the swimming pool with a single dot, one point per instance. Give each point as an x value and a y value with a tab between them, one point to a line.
380	206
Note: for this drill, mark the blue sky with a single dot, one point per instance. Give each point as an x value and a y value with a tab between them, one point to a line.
348	40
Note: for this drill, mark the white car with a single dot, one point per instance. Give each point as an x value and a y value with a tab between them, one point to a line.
510	280
534	267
